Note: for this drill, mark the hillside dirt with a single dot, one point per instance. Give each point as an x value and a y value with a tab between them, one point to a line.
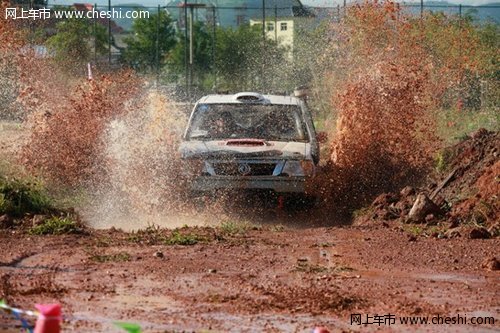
286	276
463	197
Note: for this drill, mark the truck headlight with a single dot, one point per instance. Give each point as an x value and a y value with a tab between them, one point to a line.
298	168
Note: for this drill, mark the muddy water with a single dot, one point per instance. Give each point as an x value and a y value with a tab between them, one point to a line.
140	149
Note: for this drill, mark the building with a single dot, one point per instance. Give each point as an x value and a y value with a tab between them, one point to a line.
280	30
232	13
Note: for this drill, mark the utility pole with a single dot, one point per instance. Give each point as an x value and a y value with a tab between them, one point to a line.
276	24
189	60
263	20
95	35
158	46
191	17
109	33
186	66
263	79
214	40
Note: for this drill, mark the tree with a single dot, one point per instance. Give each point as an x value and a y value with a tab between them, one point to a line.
245	62
202	53
76	39
150	39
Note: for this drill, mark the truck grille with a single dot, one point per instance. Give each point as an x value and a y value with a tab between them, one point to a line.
239	169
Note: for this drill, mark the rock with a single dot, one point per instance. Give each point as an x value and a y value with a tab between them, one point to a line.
494	230
38	219
454	222
385	199
412	238
212	271
6	221
477	134
491	264
430	219
407	191
452	233
439	201
390	214
422	207
403	206
158	254
479	233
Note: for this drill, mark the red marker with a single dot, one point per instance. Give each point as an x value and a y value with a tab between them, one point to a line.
320	329
49	319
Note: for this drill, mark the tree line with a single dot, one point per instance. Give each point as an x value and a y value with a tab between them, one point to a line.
229	59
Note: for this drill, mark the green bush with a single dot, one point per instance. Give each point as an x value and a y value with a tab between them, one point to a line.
178	238
233	228
118	257
56	226
18	197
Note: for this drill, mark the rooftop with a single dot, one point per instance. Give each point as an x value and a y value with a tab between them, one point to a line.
231	99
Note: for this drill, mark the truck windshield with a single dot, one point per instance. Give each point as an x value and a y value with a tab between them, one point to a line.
270	122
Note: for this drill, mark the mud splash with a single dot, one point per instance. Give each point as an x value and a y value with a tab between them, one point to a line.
65	143
143	167
387	79
117	140
113	147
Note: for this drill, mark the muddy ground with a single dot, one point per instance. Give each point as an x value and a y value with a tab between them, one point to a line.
283	275
272	279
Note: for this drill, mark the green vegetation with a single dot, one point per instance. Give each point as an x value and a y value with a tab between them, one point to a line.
202	54
240	54
442	160
361	212
414	230
424	230
277	228
454	125
149	37
481	212
56	226
231	228
76	40
153	234
18	197
117	257
242	57
178	238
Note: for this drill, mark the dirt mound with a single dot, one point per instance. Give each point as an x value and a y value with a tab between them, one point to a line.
464	193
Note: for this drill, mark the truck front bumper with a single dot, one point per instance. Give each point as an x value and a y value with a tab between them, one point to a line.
275	183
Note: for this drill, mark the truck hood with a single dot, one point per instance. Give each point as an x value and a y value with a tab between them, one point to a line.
245	148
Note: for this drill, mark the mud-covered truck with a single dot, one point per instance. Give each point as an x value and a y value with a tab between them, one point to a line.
249	141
